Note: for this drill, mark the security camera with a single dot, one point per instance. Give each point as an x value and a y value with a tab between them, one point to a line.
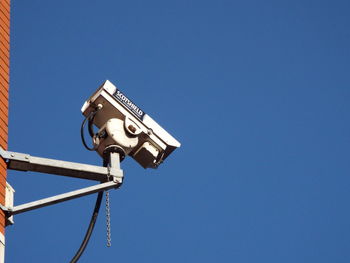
126	127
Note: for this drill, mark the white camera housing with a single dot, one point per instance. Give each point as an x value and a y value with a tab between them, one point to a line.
123	123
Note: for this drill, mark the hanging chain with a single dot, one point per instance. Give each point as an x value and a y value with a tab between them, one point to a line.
108	213
108	220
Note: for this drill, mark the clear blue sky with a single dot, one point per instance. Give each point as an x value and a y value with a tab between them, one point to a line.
258	94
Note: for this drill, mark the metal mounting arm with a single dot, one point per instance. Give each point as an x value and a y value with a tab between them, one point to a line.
58	198
26	162
110	177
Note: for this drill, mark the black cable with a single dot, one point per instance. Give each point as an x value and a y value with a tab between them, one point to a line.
90	228
91	123
92	222
93	219
89	118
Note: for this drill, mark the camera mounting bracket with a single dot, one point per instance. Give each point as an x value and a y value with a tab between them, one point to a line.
110	177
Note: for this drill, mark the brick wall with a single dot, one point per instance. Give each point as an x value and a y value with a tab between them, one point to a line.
4	87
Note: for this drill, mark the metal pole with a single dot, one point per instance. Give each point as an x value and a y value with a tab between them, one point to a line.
115	160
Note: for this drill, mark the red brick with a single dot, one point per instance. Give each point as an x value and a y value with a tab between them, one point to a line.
4	131
3	106
4	46
3	134
3	167
2	194
4	33
4	30
3	100
4	61
4	53
3	143
3	178
4	57
4	110
2	186
4	41
4	20
5	68
3	125
2	223
4	87
3	121
5	7
3	118
4	74
8	2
